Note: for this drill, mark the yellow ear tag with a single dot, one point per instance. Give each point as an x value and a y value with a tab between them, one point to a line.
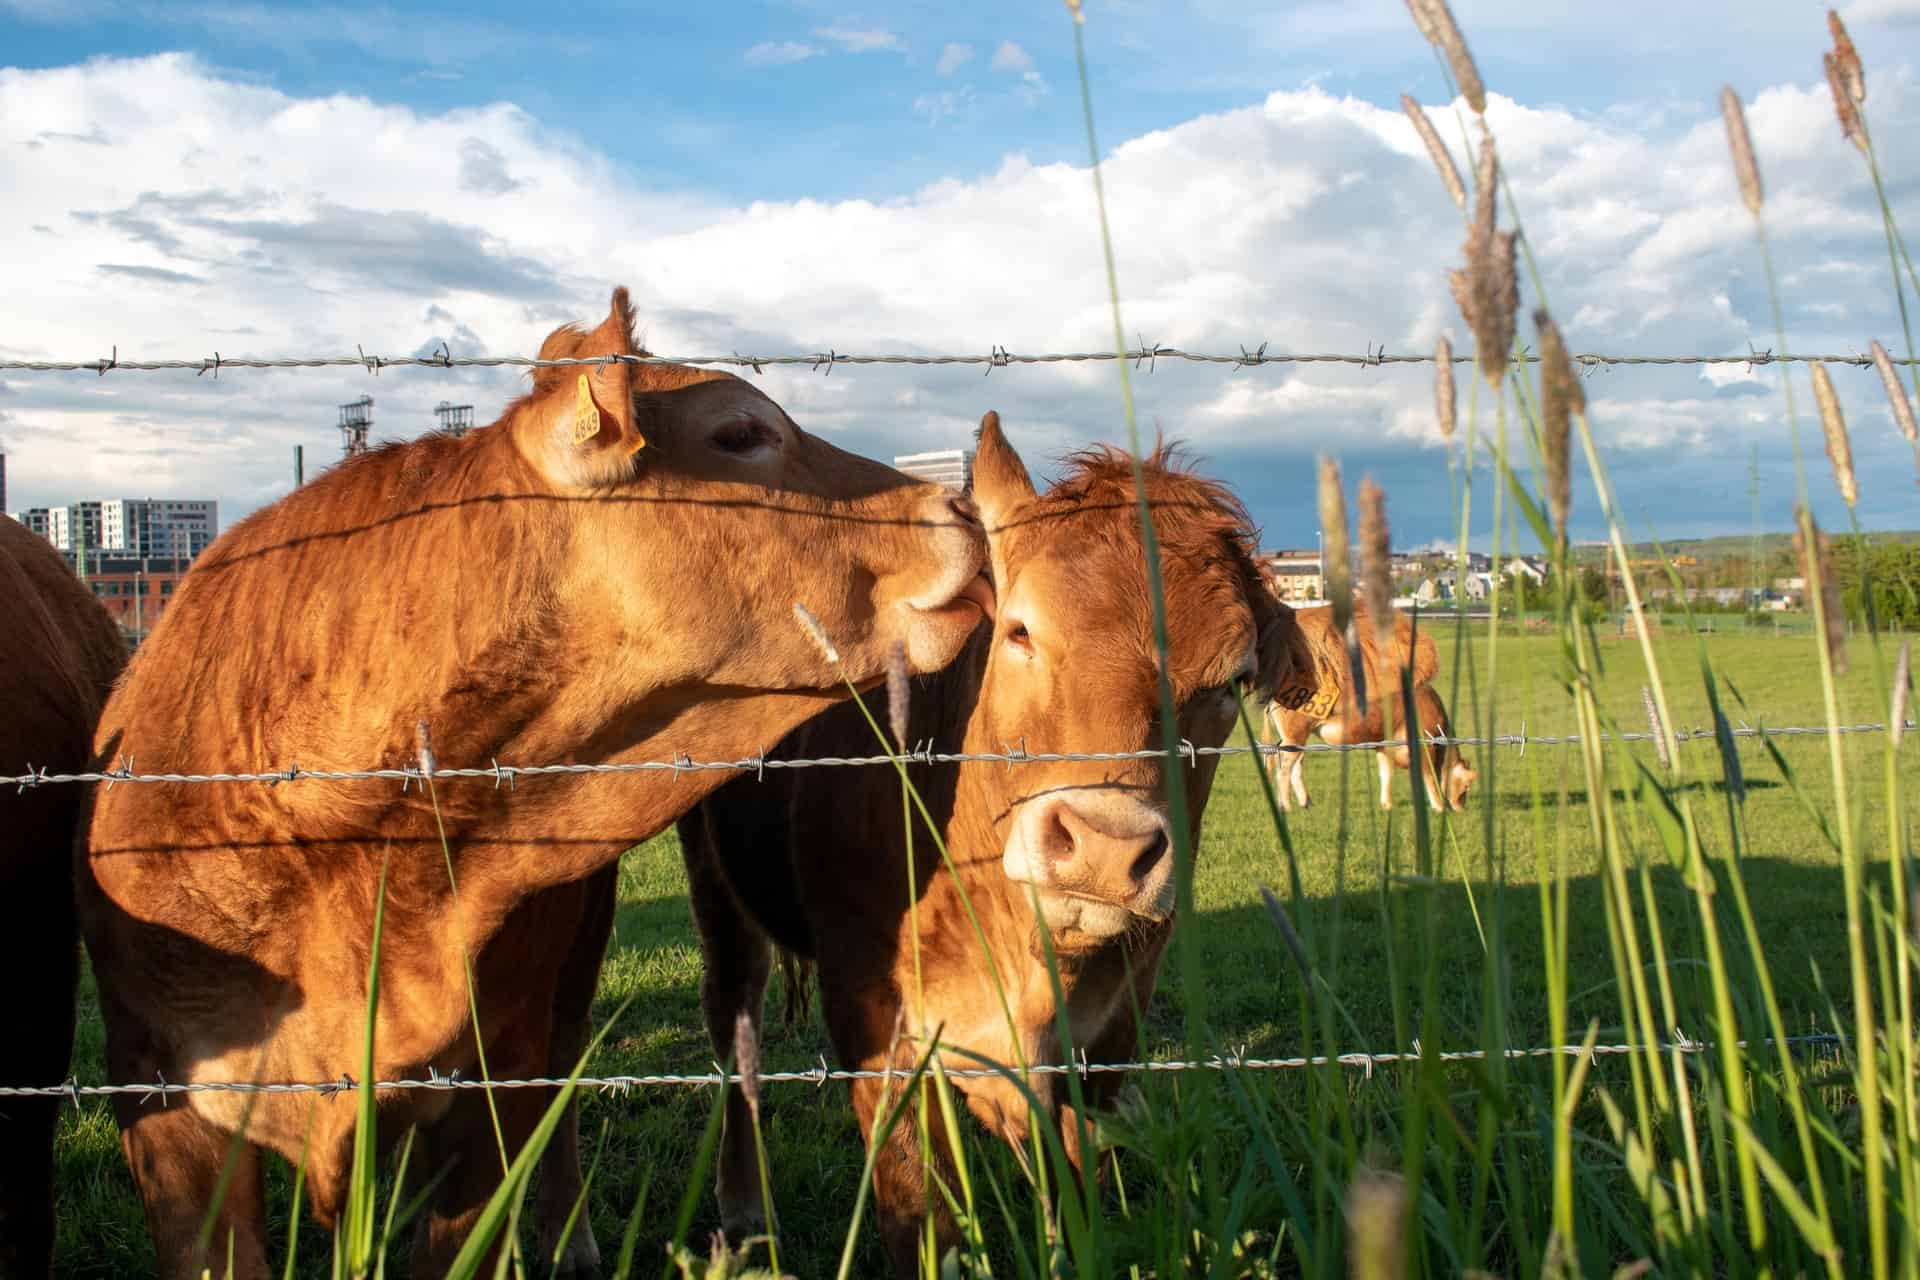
586	414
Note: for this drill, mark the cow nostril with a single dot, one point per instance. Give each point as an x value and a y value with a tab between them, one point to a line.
1149	857
1057	841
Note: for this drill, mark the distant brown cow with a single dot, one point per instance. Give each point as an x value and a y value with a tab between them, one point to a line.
1326	705
59	654
607	573
816	860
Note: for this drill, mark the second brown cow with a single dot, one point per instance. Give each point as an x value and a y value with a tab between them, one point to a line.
816	861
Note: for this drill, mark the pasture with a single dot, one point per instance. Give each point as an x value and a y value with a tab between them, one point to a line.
1362	910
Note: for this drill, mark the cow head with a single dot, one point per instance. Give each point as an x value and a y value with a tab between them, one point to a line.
699	514
1073	669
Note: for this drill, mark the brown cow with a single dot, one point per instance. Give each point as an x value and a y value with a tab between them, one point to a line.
59	655
1326	705
607	573
816	860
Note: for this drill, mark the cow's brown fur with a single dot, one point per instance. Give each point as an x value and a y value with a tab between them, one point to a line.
534	594
817	860
1331	708
59	655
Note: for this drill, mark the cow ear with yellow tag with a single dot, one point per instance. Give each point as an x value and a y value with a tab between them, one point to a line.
580	424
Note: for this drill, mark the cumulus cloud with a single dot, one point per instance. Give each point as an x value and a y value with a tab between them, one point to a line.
860	39
779	53
1308	222
952	58
1011	57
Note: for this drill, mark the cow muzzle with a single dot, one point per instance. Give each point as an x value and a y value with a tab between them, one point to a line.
1098	861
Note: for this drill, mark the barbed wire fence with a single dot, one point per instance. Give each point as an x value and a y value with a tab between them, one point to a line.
1145	354
508	775
822	1074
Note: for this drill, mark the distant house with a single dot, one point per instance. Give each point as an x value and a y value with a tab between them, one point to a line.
1428	593
1294	574
1533	570
1478	586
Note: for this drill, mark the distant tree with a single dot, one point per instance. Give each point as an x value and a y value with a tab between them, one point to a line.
1882	575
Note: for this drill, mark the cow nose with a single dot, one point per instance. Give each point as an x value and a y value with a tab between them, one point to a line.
964	510
1081	856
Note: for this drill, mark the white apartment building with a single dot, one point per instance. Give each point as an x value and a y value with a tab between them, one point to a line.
951	467
145	527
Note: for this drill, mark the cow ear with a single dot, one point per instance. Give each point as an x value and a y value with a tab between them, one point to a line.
1000	480
580	427
1283	653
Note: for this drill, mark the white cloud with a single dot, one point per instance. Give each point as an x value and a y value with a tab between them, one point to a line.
771	53
952	58
943	105
859	39
185	213
1863	11
1011	57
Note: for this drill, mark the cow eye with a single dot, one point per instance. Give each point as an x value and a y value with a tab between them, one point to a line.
1018	637
740	437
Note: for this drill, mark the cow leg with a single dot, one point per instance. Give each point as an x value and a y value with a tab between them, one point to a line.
1268	735
41	940
902	1195
1294	764
561	1184
461	1149
737	961
176	1157
1384	760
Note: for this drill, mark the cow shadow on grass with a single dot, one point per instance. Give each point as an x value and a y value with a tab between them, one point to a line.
1376	948
1523	800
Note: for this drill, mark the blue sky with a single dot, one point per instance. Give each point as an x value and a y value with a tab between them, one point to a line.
247	177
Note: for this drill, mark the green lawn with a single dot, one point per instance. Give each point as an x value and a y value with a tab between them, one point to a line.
1489	888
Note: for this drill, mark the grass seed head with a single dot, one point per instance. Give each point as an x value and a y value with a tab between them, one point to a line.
1487	289
897	692
1377	1226
1333	543
1896	394
1443	386
1844	105
1442	158
1834	426
816	632
1561	396
1446	34
1423	19
1376	558
1853	76
1902	677
1816	562
1745	167
1653	723
746	1056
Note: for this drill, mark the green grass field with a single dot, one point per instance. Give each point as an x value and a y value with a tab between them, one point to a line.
1355	906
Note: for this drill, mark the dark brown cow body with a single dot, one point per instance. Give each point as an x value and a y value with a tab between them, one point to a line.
608	573
816	860
1327	706
59	654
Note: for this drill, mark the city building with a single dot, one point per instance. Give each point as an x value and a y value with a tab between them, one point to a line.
136	527
136	590
951	467
1295	575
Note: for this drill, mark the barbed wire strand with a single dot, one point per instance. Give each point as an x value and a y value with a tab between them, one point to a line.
822	1074
826	361
758	764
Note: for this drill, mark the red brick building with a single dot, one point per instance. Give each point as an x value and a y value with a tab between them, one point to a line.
135	591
